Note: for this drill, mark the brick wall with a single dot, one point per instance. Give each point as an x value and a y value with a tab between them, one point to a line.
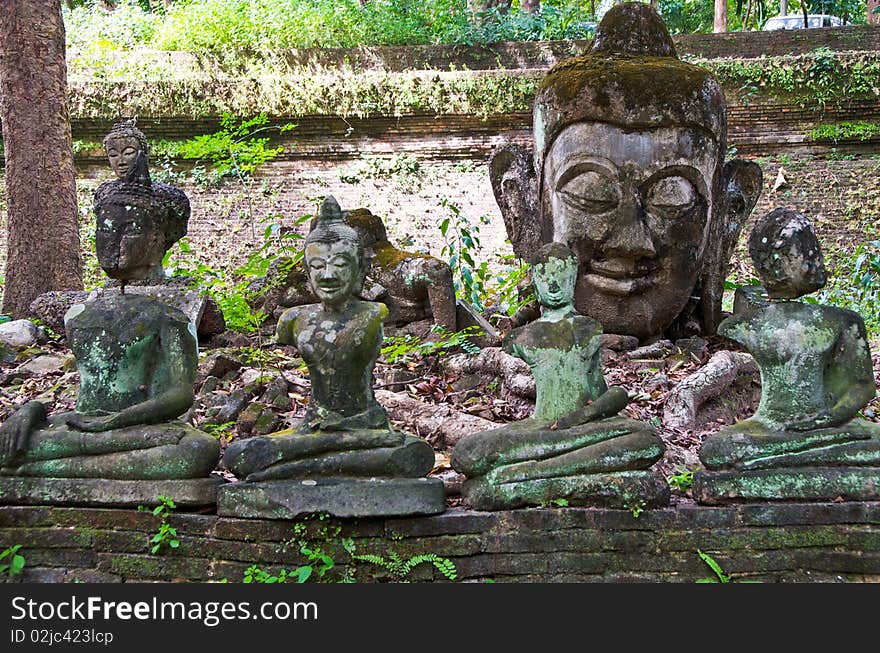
771	543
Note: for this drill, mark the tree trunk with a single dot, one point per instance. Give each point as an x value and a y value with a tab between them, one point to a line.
43	249
530	6
783	7
873	14
720	16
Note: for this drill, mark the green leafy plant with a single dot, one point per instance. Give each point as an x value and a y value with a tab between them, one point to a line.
504	290
400	568
720	576
317	566
231	289
218	430
402	349
637	507
14	561
166	536
859	130
856	285
462	240
682	480
236	149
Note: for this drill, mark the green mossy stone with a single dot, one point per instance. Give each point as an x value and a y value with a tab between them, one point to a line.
625	490
186	493
792	484
340	497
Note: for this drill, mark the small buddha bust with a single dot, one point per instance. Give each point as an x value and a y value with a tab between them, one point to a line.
628	170
137	359
575	446
805	440
345	431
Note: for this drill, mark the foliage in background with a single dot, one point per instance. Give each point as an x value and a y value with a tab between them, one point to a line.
235	150
856	285
403	349
231	289
462	241
817	78
11	561
223	26
220	26
860	130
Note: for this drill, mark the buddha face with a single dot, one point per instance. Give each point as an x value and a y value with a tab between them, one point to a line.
122	154
333	270
634	206
554	281
128	243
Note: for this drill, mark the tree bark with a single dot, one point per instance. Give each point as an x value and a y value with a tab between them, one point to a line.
720	16
783	7
530	6
43	248
873	14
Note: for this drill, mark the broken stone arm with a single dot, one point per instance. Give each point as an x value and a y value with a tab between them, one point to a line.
608	404
849	381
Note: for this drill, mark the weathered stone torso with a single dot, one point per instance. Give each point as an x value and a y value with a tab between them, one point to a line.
793	344
118	342
563	356
340	351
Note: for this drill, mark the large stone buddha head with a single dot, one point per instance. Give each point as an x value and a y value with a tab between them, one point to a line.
628	171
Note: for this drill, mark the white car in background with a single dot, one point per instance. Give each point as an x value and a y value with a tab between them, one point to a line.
796	21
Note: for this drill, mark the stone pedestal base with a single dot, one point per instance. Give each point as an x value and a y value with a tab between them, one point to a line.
788	484
31	491
626	490
340	497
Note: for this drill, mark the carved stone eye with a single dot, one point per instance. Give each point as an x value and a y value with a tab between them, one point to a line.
590	191
670	196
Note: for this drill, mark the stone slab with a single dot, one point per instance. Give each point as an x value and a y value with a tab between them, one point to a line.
29	490
626	490
789	484
340	497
